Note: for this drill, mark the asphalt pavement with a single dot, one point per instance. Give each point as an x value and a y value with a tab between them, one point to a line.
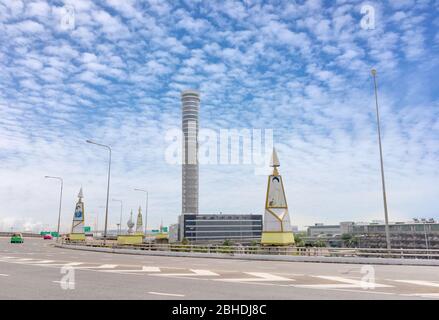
38	270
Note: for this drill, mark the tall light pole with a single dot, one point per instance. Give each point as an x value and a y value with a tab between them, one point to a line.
424	221
386	216
146	208
60	200
108	186
121	208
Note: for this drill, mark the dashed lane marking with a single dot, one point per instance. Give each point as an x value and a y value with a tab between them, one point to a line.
195	272
423	295
127	271
419	283
68	264
4	275
346	283
103	266
41	261
166	294
57	281
260	277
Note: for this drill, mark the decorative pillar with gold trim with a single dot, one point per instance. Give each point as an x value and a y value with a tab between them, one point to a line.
77	233
139	222
277	227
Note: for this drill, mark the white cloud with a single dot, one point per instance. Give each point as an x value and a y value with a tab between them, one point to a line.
302	69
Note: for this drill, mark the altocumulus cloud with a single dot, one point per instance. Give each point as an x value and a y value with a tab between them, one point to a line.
299	67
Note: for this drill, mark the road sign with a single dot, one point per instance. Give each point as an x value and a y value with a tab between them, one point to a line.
87	229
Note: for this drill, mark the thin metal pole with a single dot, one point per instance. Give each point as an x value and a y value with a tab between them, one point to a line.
146	213
120	219
108	195
60	200
119	229
108	186
59	213
426	240
386	216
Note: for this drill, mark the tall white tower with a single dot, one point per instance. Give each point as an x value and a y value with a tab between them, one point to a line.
190	100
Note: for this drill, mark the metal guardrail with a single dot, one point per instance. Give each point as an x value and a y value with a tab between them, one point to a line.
267	250
25	234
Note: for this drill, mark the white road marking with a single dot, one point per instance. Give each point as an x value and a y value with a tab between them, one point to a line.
260	277
144	269
365	291
4	275
195	272
57	281
347	283
166	294
72	264
420	283
103	266
42	261
423	295
325	286
32	261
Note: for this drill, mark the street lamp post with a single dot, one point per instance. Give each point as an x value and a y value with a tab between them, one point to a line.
108	186
120	220
424	221
146	208
386	216
60	200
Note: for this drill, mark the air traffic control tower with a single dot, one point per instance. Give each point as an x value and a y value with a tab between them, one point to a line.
190	100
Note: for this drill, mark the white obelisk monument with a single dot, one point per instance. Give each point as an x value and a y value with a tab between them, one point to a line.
78	220
277	227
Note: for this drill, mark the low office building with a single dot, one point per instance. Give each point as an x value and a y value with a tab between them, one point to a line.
408	235
204	228
320	229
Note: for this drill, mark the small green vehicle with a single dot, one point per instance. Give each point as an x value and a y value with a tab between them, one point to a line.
17	238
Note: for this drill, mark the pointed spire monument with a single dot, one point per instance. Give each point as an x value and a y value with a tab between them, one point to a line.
78	220
277	226
132	237
139	222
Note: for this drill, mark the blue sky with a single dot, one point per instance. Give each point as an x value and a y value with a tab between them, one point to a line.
301	68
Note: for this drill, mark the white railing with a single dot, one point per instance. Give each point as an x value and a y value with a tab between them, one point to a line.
267	250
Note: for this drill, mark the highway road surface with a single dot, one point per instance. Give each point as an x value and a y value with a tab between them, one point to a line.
38	270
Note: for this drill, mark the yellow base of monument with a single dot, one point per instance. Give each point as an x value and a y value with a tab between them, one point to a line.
130	239
77	237
277	238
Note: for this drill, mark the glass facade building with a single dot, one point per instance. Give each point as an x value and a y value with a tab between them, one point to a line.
243	228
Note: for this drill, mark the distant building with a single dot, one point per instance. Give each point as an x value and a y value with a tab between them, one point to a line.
242	228
322	229
414	234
